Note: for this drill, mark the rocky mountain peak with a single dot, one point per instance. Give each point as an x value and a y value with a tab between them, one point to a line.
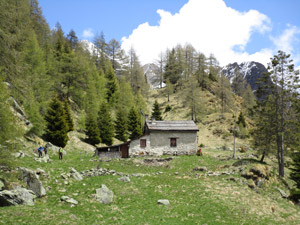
251	72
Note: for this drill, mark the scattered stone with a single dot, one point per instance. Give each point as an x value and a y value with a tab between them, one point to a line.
19	154
203	168
124	179
75	174
104	195
33	182
64	176
66	182
64	198
176	173
68	200
163	202
18	196
283	194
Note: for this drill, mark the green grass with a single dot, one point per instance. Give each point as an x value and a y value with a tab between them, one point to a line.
194	198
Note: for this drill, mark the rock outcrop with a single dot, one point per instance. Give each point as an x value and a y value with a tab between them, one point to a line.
32	181
18	196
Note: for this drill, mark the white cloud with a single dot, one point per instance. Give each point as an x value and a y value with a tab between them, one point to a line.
209	25
287	39
88	33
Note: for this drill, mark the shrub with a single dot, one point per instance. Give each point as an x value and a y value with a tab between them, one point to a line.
168	108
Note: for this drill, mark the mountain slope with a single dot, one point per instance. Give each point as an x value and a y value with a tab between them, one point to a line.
251	72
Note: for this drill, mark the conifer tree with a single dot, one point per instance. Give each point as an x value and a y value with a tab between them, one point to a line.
121	125
105	125
112	86
92	130
241	119
57	127
69	118
134	126
156	113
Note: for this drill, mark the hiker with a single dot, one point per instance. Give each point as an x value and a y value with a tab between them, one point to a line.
60	152
40	151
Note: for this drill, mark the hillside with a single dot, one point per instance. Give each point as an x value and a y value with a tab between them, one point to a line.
207	189
214	130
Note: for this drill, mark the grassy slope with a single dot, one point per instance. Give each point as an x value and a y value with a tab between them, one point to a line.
194	197
209	120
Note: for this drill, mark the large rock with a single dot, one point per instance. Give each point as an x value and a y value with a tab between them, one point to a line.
18	196
104	195
75	174
33	182
53	148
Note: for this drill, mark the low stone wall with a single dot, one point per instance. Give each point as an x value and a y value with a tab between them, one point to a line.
109	154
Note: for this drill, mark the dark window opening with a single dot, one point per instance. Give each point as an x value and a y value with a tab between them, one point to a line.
143	143
173	142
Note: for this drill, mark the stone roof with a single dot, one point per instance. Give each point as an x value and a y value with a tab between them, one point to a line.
185	125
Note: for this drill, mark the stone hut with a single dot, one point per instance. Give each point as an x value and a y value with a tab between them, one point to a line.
166	138
160	138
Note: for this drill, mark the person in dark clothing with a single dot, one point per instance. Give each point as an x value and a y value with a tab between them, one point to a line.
45	150
40	151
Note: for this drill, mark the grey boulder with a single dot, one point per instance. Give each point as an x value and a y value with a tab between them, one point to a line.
104	195
18	196
33	182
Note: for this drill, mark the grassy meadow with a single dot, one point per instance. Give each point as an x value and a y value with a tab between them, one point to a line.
195	198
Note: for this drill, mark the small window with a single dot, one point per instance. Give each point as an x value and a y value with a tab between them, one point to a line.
143	143
173	142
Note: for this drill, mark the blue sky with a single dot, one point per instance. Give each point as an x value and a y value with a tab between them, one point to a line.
232	30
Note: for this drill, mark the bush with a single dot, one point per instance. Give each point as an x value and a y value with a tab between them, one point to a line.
168	108
295	195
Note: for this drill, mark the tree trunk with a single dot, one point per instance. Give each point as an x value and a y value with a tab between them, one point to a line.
263	157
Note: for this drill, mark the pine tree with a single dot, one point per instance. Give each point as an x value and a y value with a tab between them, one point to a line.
69	118
241	119
134	126
156	113
92	130
112	86
121	125
105	125
281	93
57	127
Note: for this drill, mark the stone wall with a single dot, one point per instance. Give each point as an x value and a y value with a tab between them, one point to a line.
114	154
158	143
